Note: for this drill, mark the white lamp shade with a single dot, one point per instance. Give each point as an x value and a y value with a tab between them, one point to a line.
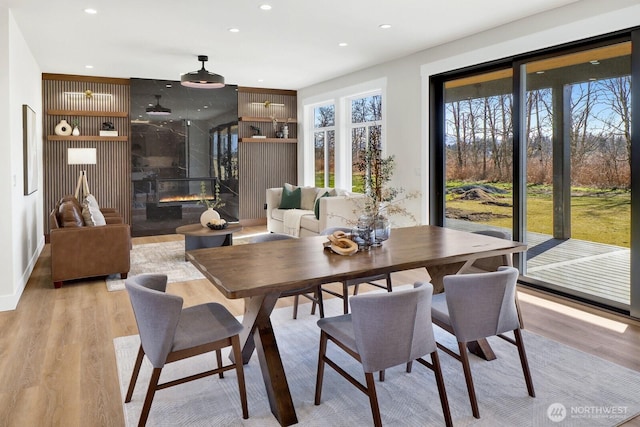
81	156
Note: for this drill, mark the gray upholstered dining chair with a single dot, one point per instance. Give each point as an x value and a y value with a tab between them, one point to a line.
369	280
169	333
492	264
380	333
312	293
480	305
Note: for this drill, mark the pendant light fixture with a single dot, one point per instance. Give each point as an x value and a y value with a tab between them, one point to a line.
202	79
158	110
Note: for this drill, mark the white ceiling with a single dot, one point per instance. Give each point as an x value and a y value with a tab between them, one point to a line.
292	46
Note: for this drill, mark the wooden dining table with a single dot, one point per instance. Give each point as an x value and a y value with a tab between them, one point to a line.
261	272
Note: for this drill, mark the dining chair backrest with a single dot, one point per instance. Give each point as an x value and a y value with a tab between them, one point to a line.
270	237
495	233
393	328
332	230
157	315
482	305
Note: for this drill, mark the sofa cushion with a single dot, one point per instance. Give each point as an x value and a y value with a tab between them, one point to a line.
290	198
70	213
309	222
91	201
92	216
308	196
332	192
316	207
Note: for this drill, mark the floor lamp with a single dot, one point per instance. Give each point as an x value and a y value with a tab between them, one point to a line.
81	156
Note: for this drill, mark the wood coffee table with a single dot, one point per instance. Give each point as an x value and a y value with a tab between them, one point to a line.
197	237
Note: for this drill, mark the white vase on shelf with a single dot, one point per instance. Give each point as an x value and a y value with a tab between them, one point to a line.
76	131
208	215
63	128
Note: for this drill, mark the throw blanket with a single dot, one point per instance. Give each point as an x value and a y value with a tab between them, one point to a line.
291	221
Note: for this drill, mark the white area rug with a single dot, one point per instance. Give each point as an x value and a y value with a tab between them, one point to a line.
593	392
166	258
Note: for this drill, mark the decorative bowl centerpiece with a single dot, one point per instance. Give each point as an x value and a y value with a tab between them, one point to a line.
340	243
217	224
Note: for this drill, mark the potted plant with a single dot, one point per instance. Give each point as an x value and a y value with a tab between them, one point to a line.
380	200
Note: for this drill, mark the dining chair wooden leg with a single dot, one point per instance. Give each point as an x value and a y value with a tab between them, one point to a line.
296	299
320	374
517	333
219	360
134	375
464	358
444	402
320	303
389	288
242	388
345	297
153	386
373	399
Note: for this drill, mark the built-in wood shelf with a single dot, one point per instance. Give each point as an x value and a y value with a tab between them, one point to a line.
282	140
262	119
86	113
86	138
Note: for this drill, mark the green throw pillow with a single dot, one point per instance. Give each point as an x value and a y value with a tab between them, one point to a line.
290	198
316	208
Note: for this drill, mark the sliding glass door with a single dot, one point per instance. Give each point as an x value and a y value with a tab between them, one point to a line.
478	151
540	146
577	127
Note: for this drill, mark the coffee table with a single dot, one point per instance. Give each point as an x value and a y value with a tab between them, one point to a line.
198	237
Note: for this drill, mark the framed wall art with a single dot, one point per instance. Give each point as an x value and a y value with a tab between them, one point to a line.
30	150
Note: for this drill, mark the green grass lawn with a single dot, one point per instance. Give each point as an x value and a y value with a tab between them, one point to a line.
597	215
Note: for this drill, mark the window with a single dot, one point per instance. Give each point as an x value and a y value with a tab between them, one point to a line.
366	134
324	140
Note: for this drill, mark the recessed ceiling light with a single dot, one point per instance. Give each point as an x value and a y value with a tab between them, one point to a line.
168	85
206	106
234	30
384	26
90	11
595	62
260	80
88	66
592	79
265	7
540	72
343	44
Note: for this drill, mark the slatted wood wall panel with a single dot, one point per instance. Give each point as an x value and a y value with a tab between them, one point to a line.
264	165
109	179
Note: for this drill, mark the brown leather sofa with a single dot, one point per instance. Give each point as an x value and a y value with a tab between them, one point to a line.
79	251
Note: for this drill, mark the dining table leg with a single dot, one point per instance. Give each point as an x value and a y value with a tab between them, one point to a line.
258	335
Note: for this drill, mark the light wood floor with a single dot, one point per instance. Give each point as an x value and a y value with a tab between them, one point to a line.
57	362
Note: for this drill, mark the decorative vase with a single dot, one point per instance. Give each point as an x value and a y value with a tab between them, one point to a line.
208	215
76	131
279	134
382	229
363	233
285	131
63	128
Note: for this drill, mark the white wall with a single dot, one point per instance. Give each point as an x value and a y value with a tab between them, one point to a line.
20	226
407	79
